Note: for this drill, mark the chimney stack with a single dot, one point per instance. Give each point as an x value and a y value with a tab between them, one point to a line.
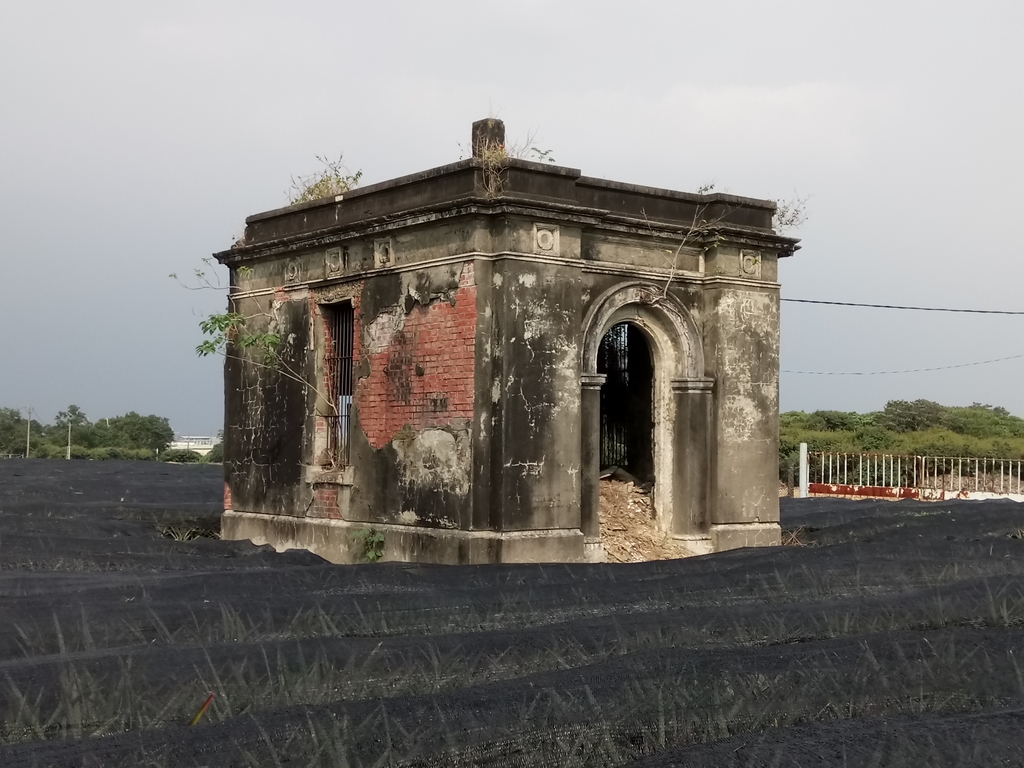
487	133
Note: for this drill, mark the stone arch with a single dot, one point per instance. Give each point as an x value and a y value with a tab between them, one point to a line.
667	324
678	358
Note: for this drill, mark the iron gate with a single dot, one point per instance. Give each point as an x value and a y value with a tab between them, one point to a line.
626	427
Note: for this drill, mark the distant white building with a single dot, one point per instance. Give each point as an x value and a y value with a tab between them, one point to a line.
201	445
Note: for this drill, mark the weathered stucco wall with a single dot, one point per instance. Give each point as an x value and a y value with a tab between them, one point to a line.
742	347
414	393
266	412
535	395
467	427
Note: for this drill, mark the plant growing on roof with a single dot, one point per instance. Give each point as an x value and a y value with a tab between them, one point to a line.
232	333
335	179
231	330
789	214
494	155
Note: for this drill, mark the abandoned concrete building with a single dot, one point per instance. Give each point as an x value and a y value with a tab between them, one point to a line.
464	349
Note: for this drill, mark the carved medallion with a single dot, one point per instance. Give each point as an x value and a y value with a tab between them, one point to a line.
750	263
333	262
383	255
292	271
545	239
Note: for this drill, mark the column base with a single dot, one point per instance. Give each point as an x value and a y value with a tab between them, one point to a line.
696	544
594	552
727	536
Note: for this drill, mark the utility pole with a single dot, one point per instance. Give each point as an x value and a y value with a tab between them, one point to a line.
28	431
69	438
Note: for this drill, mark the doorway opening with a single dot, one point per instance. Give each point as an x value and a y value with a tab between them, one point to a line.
627	402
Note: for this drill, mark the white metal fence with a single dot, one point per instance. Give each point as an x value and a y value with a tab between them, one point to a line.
887	474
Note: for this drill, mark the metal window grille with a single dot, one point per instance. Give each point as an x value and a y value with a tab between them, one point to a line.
338	368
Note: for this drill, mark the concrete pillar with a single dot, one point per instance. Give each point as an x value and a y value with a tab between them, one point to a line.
741	348
804	475
692	447
590	465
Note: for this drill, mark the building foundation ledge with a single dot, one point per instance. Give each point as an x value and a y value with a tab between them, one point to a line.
335	541
726	536
695	543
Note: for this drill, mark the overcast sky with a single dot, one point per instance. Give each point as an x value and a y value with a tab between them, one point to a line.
136	136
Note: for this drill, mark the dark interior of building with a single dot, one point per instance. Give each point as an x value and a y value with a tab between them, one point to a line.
627	417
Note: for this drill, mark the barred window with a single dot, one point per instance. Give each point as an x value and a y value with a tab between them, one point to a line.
340	326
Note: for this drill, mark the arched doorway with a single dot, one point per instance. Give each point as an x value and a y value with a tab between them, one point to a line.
627	401
664	347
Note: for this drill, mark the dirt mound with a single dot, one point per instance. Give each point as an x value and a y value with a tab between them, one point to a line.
628	529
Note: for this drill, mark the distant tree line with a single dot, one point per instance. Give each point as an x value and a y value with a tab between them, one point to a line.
918	427
131	436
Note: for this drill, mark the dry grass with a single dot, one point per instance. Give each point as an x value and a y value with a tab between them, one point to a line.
185	532
795	537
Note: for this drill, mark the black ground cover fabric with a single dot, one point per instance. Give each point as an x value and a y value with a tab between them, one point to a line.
893	636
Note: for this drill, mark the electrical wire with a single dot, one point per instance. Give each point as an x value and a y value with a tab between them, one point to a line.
915	309
908	370
897	306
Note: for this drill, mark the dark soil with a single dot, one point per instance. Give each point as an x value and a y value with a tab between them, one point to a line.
889	634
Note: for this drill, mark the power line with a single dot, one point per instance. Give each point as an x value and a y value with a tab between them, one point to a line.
909	370
916	309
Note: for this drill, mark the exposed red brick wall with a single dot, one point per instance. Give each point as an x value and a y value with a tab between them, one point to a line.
425	375
227	496
325	502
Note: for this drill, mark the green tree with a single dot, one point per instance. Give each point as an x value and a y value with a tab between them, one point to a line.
920	427
904	416
837	421
81	428
135	431
980	420
12	431
216	454
181	456
73	415
874	438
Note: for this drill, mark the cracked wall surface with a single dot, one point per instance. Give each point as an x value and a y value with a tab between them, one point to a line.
466	438
419	357
535	395
266	412
414	397
742	341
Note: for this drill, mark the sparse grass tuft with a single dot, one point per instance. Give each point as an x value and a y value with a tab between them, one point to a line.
796	537
185	532
333	180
